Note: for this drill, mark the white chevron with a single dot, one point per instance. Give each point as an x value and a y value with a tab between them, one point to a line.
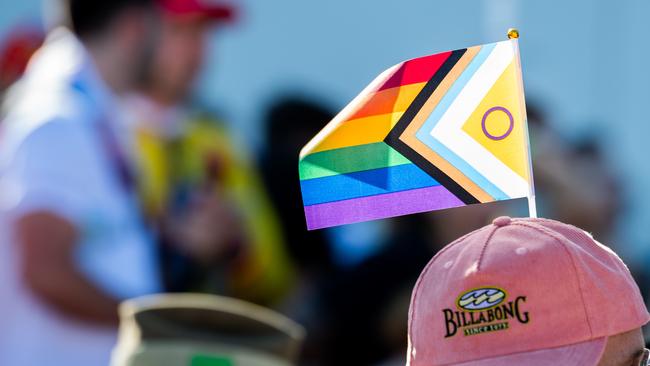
448	130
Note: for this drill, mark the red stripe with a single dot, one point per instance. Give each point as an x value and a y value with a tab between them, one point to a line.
417	70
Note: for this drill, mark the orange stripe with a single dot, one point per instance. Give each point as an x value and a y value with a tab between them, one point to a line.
355	132
390	100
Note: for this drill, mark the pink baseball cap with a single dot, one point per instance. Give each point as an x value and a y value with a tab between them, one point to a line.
198	9
521	292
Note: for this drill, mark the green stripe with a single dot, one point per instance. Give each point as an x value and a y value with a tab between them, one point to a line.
350	159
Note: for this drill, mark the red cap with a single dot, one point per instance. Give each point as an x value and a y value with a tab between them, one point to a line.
211	9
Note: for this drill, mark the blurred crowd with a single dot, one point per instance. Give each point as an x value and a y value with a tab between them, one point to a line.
115	183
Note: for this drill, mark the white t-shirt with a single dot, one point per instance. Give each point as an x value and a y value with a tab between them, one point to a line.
53	158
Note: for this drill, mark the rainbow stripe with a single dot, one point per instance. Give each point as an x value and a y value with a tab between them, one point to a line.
409	142
353	175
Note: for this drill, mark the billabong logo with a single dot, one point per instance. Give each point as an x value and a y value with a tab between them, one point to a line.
480	299
483	310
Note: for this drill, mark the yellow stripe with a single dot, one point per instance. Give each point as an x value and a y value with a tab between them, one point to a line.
407	95
359	131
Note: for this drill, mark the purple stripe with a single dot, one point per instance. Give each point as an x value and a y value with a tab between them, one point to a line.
379	207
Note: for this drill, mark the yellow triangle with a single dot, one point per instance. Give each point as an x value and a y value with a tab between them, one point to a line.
512	149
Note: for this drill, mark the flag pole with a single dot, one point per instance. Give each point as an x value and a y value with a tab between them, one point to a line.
513	34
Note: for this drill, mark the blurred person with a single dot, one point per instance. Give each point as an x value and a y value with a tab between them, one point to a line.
290	122
526	291
575	185
361	303
198	189
572	180
72	243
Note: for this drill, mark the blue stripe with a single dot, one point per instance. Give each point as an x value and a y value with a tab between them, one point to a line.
424	133
366	183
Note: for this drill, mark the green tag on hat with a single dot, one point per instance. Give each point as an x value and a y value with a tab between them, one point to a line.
204	360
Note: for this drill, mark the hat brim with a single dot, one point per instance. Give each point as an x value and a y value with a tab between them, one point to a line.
218	13
579	354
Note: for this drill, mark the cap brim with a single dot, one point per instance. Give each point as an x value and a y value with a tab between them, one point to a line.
216	13
219	13
579	354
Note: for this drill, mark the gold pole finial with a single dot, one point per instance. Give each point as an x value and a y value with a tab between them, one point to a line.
513	33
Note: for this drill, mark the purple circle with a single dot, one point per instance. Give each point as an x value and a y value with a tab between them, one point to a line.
507	112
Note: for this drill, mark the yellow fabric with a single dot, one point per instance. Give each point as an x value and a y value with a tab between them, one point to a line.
509	151
267	272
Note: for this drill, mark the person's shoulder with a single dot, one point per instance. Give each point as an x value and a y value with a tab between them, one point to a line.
45	131
32	106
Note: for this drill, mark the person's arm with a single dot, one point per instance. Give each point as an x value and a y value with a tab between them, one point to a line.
46	254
